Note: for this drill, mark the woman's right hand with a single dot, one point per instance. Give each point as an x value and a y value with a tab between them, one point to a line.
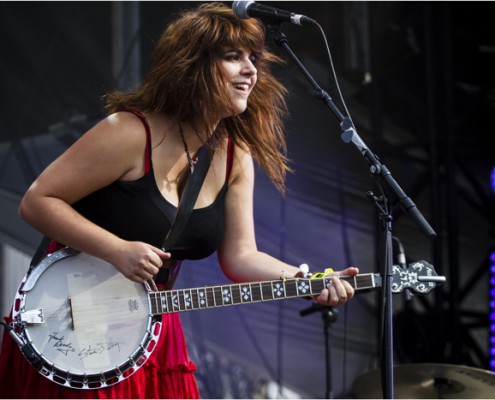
138	261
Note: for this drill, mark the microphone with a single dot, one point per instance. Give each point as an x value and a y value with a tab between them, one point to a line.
250	9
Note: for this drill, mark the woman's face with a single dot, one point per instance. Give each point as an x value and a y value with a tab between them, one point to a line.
240	73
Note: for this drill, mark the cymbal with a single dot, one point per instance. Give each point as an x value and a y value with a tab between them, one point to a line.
429	381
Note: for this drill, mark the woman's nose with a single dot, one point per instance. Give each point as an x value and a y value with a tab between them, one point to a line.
248	67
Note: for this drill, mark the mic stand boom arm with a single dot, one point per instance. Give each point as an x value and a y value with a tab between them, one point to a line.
381	174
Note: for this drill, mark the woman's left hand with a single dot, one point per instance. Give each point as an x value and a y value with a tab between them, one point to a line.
339	291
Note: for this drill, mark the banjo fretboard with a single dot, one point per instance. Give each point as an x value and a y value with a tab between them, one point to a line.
180	300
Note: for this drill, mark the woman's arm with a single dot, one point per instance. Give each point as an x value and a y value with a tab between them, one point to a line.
239	257
113	149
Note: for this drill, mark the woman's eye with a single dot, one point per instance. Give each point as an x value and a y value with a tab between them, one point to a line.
255	57
231	56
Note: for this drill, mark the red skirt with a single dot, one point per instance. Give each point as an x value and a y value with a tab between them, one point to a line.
167	374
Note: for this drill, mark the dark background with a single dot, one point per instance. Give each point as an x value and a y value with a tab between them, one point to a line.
418	80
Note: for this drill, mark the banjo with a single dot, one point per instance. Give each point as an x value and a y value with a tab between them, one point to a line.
82	324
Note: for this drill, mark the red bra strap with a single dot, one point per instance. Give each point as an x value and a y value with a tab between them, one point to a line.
147	154
230	157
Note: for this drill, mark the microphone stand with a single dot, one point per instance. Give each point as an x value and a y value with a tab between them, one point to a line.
381	174
328	316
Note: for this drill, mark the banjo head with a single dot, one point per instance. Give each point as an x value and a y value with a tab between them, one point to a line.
90	326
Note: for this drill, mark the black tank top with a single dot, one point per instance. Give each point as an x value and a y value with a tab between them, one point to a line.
137	211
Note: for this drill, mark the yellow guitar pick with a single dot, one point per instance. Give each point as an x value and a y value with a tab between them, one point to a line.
322	274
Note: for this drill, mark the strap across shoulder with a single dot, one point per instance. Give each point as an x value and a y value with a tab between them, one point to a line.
230	158
147	155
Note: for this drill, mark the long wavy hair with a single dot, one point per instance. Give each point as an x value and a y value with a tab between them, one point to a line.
185	80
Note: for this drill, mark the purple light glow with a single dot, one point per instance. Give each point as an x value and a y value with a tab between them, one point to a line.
491	342
492	180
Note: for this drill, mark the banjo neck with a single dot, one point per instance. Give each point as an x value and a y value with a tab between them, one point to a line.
179	300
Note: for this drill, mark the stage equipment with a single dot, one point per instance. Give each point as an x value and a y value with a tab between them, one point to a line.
430	381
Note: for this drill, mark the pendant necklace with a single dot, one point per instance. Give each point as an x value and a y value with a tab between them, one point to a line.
192	161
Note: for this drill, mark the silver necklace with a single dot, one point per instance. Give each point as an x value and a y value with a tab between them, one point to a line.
192	161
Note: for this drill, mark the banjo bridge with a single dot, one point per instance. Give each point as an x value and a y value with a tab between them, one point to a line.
35	316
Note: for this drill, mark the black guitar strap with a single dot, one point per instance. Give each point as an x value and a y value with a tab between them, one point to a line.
40	252
168	273
189	197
